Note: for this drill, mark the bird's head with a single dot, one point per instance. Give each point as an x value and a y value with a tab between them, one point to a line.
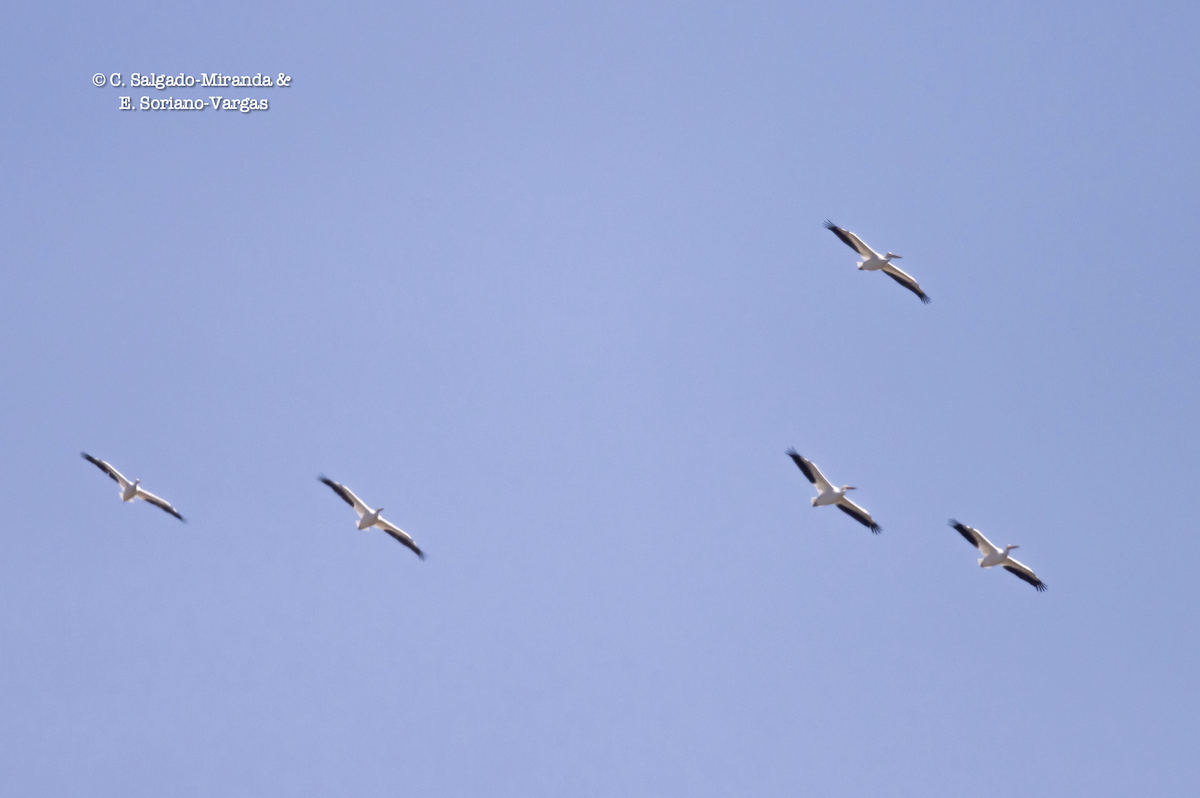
378	511
137	482
848	487
893	256
1011	546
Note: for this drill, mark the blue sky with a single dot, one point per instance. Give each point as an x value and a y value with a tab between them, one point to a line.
549	283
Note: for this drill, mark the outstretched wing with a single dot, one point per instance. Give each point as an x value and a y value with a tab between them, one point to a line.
810	471
849	239
975	538
113	473
400	535
905	280
347	496
160	503
859	514
1022	570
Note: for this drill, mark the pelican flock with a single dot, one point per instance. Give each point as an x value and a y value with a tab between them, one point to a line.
873	261
368	518
828	494
993	556
132	490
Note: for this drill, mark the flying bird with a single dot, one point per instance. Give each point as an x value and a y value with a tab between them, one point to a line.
873	261
368	518
132	490
993	556
828	494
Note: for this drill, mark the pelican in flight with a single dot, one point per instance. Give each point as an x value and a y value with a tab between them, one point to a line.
831	495
132	490
368	518
993	556
873	261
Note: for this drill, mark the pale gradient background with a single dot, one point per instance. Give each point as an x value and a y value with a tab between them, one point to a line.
549	283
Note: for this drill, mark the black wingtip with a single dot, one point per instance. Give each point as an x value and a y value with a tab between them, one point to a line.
924	299
964	530
1038	584
876	529
830	225
799	461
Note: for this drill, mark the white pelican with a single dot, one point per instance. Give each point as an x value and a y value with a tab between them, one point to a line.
368	518
873	261
992	556
132	490
831	495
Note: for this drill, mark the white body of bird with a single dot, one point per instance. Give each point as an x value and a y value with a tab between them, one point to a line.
369	519
997	557
830	495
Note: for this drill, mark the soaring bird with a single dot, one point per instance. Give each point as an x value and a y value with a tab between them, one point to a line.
993	556
368	518
132	490
873	261
828	494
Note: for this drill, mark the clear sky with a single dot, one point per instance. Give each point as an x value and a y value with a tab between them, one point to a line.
549	283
